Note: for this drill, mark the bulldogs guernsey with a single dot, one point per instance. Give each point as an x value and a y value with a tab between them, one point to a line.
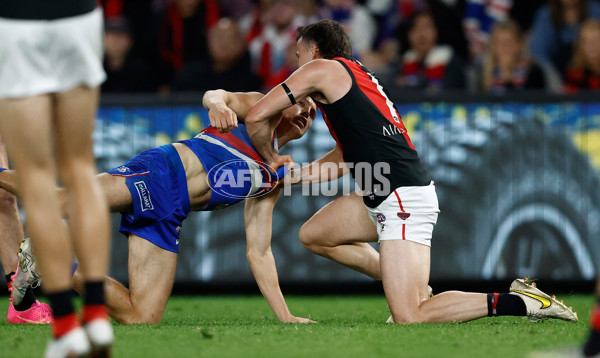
224	156
368	128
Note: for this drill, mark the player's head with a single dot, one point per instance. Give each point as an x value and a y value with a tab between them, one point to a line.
322	39
296	120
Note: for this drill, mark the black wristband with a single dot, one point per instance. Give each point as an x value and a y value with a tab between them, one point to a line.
289	93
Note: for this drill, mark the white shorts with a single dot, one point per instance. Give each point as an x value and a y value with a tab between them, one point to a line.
409	213
38	56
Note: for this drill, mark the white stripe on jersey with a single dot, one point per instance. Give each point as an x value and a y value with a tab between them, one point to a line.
256	177
389	103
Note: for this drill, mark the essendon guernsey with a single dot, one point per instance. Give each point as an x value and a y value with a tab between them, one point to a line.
368	129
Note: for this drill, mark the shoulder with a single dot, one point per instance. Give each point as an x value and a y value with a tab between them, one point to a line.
322	67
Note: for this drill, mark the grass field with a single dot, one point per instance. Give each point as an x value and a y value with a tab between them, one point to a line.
243	326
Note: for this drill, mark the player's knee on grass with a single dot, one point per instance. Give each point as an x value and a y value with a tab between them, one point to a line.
138	316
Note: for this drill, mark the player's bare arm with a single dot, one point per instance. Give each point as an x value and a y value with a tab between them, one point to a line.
8	181
226	109
258	216
329	167
324	80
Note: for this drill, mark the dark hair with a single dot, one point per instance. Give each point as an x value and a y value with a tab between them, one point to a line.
329	36
557	12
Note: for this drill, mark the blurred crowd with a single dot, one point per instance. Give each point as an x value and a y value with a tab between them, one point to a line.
493	46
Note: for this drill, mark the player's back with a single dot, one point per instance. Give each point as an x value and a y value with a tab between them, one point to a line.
234	167
368	129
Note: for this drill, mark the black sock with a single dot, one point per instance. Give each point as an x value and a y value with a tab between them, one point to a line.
505	304
94	293
8	279
27	301
61	303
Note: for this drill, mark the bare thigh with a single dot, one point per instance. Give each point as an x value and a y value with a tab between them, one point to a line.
151	277
115	191
342	221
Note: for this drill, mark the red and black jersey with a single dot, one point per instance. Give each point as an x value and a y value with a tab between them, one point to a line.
368	129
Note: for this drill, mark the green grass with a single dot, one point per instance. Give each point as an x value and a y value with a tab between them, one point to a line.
348	327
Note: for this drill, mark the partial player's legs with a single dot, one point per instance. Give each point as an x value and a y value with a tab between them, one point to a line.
340	231
115	191
591	347
86	205
74	117
405	271
11	234
151	276
23	307
26	129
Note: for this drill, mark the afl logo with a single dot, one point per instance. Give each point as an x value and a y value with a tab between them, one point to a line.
380	217
240	179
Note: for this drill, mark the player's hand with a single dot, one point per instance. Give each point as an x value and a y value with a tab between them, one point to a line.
279	160
294	319
222	118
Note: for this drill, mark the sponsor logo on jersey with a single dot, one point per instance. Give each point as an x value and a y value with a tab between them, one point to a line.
380	217
390	129
123	169
403	216
145	199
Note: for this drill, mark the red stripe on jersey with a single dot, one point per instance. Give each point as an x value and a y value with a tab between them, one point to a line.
235	142
403	231
130	175
330	128
241	146
368	85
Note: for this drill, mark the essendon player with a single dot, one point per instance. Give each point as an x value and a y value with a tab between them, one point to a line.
400	205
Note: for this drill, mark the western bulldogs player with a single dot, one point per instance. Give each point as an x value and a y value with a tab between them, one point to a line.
368	129
157	189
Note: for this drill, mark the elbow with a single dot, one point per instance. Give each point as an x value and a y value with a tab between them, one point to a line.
254	255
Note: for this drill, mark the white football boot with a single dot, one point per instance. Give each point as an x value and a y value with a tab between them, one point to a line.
539	305
101	336
72	344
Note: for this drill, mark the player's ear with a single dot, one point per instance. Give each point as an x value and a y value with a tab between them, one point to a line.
314	51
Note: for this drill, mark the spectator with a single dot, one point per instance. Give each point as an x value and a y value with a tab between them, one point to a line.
480	16
227	68
390	14
427	65
357	22
124	72
182	36
268	48
555	29
584	68
393	29
505	66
